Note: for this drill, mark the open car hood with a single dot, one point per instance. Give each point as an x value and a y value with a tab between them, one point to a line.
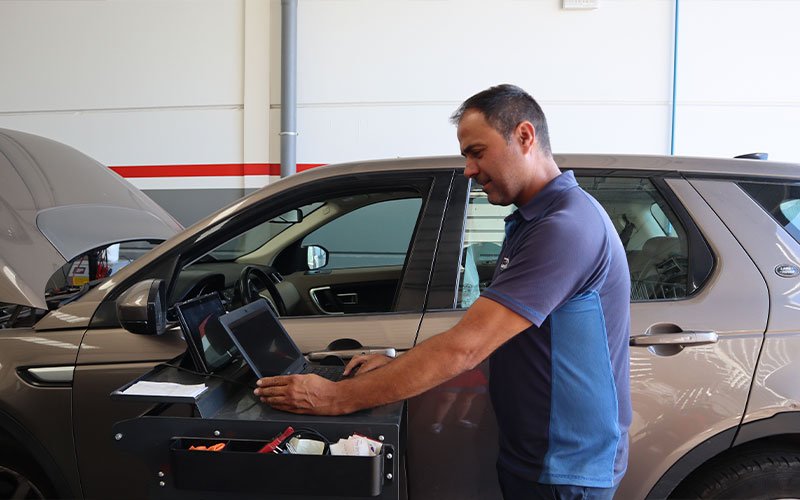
57	203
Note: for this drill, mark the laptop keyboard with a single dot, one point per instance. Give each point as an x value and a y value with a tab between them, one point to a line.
330	372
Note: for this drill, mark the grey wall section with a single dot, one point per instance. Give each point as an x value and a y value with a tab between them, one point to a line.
190	205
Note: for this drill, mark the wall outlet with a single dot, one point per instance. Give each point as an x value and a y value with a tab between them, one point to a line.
580	4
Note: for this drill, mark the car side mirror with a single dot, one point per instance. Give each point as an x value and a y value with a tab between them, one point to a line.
316	257
142	308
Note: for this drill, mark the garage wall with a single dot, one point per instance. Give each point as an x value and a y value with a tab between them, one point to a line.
392	72
739	78
152	86
129	82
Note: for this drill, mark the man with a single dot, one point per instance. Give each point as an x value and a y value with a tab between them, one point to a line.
555	321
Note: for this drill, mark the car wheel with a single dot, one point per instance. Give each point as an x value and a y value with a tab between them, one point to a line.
15	483
768	474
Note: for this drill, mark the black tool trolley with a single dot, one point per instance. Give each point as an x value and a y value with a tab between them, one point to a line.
228	412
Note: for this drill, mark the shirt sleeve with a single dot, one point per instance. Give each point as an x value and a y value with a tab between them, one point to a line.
554	259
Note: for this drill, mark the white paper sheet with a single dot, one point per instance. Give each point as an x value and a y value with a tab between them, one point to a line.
144	388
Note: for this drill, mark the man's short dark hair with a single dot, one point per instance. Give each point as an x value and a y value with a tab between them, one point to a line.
504	107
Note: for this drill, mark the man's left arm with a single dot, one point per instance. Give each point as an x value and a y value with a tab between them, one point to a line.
485	326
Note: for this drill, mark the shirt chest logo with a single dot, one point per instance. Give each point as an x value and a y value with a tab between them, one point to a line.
504	264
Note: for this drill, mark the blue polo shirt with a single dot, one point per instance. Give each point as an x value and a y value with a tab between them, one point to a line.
561	388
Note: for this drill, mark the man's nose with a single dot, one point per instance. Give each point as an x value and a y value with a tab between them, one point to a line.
471	169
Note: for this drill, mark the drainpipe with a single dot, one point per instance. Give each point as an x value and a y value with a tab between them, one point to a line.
288	131
674	81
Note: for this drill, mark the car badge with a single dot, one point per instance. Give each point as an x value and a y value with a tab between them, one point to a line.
787	271
505	263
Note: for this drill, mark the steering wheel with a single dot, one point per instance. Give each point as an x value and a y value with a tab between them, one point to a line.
252	281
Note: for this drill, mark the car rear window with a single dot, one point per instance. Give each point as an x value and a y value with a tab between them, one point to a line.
780	200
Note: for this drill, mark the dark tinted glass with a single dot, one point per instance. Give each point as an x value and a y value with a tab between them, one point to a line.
201	318
781	201
263	340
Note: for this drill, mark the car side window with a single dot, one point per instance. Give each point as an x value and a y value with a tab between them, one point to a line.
655	241
339	254
371	236
780	200
483	236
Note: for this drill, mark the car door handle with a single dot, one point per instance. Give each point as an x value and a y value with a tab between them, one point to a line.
325	300
350	299
389	352
684	338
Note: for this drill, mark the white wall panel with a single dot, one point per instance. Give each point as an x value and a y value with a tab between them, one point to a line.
166	137
744	51
380	78
738	78
730	130
109	55
331	134
349	133
629	128
417	50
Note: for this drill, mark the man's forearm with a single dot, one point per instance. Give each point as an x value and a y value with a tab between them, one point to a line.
429	364
484	327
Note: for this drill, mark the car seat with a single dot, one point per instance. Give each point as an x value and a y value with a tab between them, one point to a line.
658	270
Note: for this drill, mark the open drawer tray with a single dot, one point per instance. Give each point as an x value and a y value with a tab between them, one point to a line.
239	467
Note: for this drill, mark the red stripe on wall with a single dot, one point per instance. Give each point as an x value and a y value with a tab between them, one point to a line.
216	170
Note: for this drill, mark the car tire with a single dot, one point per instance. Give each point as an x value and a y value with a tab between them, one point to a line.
763	474
16	482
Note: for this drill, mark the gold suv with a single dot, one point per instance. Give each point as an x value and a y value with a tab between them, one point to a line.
388	253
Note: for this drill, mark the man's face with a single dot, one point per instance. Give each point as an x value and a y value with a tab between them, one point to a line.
496	164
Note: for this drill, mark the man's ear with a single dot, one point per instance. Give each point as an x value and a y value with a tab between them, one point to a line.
526	135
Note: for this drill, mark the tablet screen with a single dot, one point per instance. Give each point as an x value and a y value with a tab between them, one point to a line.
262	340
200	321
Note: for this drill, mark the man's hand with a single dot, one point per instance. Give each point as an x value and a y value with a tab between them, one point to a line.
308	394
366	363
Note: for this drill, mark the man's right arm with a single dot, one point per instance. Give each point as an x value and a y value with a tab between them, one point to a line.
485	326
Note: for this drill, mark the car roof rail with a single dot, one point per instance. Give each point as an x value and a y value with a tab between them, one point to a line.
754	156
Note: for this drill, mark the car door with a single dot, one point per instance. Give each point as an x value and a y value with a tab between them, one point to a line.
688	274
110	357
380	257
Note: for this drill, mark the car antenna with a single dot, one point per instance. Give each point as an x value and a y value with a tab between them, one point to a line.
754	156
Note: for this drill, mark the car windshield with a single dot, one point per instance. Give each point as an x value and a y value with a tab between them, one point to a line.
261	234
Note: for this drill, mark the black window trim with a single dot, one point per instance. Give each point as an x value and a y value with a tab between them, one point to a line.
702	260
443	289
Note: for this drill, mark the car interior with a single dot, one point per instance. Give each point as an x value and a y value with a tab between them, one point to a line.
654	240
334	256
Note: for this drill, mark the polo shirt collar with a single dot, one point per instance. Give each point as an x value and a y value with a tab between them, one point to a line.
544	198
